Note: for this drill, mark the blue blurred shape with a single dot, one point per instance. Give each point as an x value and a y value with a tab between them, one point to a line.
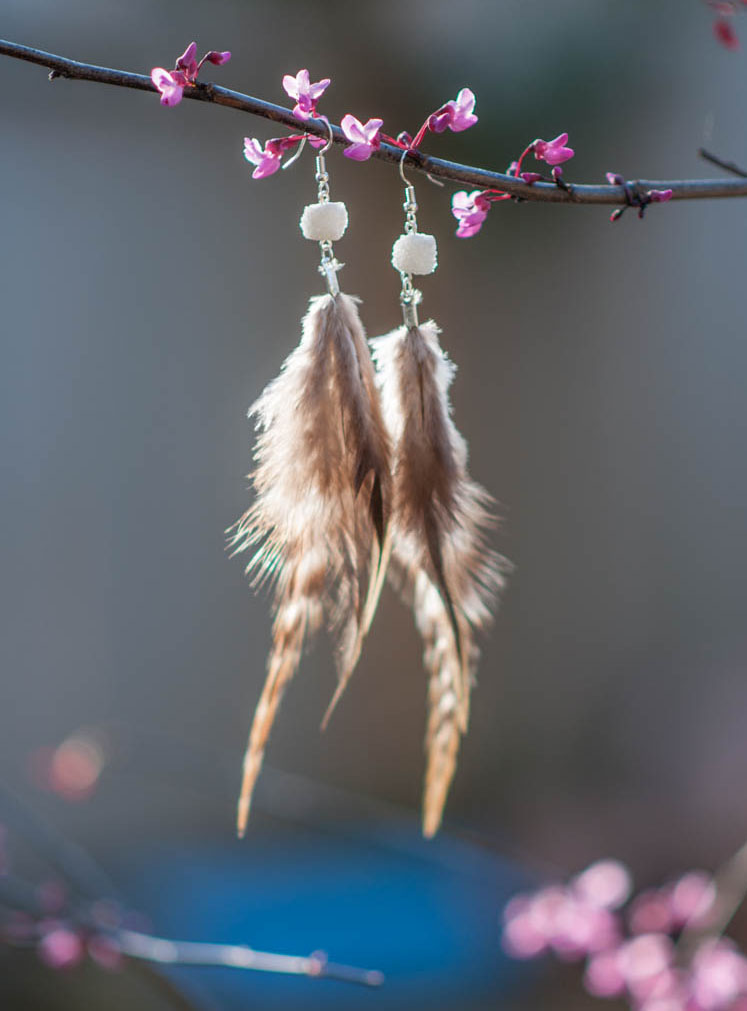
427	914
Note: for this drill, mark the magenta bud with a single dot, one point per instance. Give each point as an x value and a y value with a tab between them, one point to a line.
531	177
218	58
659	196
614	179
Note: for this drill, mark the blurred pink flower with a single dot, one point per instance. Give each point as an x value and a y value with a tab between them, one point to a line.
555	918
725	34
305	93
364	137
456	115
60	947
553	152
603	977
606	884
644	962
651	912
719	975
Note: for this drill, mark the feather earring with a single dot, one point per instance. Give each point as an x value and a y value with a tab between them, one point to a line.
318	527
440	560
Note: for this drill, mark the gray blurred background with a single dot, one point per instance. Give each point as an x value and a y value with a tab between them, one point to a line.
150	289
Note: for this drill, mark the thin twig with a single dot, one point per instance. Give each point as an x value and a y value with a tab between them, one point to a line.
684	189
727	166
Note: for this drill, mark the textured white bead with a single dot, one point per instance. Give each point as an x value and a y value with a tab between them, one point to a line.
324	222
415	253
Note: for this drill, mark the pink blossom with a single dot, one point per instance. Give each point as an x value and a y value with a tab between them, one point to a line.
605	884
60	947
470	210
266	159
554	152
305	93
456	115
171	84
364	137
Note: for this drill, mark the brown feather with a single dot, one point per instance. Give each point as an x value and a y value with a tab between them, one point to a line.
440	557
323	489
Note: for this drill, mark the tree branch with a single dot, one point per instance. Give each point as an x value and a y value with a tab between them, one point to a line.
685	189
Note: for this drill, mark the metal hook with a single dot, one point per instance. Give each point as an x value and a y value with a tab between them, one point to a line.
331	140
297	155
402	175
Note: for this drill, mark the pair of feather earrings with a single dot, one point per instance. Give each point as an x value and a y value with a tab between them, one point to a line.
360	473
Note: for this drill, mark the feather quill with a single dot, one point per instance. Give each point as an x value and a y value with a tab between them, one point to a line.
318	525
440	559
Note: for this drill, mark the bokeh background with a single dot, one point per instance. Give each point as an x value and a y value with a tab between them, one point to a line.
150	289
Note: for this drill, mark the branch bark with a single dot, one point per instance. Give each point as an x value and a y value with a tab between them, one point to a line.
465	175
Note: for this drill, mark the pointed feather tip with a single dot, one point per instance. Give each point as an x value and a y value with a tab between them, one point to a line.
242	818
431	823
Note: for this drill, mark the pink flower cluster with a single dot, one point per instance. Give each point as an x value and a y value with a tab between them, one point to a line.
630	952
471	209
171	83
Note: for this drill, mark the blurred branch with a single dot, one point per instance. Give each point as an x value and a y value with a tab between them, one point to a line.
83	876
687	189
731	891
239	956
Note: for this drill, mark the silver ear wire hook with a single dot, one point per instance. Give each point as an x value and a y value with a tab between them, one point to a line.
402	175
297	155
331	140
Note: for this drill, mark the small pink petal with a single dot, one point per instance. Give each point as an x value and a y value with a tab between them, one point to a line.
188	60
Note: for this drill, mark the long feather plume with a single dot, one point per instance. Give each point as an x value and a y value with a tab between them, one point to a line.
440	559
318	525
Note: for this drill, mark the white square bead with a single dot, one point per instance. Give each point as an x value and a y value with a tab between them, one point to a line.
324	222
415	253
